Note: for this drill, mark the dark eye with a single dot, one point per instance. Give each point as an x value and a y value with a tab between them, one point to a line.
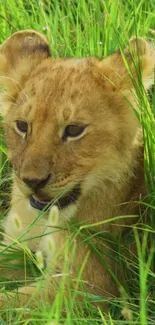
73	131
22	126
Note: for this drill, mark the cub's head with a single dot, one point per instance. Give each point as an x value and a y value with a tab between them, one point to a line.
69	123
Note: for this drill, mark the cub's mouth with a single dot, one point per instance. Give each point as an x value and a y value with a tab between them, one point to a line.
40	203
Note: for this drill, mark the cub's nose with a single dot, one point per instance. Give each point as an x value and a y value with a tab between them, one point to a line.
36	183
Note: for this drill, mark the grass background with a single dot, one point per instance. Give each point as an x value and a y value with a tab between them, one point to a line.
82	28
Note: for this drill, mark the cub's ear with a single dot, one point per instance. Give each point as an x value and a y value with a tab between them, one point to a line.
123	70
19	55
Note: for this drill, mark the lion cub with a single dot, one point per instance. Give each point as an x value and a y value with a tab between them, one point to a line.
76	148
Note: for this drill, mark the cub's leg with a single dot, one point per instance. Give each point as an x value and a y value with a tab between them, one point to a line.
22	230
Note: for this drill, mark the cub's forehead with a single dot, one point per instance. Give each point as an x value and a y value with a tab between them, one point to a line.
59	87
59	73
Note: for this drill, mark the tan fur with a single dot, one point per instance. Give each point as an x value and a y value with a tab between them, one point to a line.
108	160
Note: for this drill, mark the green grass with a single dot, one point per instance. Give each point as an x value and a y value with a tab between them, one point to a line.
81	28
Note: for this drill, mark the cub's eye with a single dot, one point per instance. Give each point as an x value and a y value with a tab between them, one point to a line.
73	131
22	126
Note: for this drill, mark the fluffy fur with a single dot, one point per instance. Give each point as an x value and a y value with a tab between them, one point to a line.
107	160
